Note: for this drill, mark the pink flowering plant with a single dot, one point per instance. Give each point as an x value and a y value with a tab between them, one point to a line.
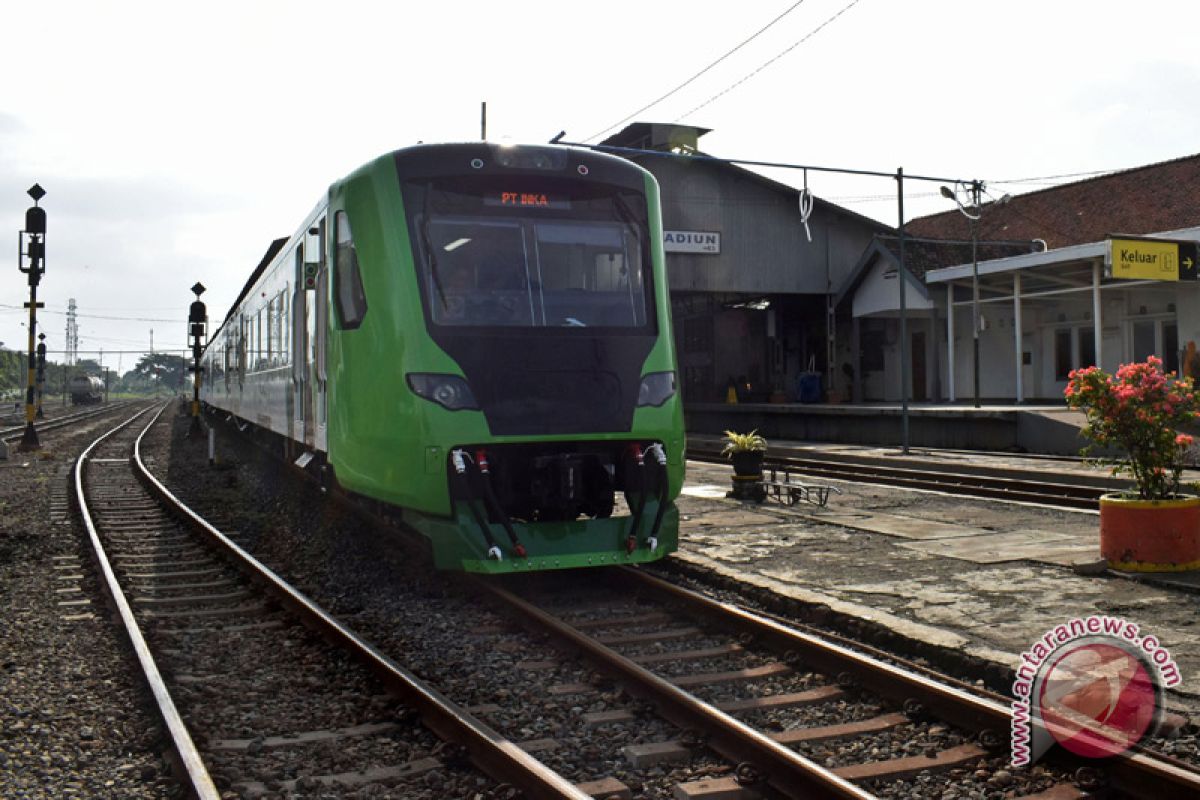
1140	410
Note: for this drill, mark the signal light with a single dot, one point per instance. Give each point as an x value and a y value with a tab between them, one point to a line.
310	275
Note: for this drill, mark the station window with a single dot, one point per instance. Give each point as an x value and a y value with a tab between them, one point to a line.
349	296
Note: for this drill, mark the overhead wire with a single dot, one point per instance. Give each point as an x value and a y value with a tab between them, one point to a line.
179	319
766	64
653	103
1090	174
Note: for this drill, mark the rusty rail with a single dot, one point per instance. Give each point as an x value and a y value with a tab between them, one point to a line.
201	783
787	771
493	753
1139	774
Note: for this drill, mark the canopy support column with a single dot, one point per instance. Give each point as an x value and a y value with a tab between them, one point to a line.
1018	344
950	341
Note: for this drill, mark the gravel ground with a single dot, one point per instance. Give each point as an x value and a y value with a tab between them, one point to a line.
93	735
420	618
74	721
393	600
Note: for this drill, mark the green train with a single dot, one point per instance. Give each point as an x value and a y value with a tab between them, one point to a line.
478	337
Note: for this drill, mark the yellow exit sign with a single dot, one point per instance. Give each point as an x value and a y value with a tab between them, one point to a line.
1150	259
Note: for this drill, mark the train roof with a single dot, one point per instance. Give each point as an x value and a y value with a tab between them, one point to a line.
436	158
272	251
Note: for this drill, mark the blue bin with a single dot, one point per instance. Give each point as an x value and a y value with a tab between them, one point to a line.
808	387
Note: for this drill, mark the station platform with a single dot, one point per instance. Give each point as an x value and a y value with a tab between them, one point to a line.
982	578
1045	429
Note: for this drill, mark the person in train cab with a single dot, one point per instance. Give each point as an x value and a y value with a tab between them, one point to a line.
458	285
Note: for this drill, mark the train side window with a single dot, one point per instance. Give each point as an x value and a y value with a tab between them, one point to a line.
271	354
284	326
349	296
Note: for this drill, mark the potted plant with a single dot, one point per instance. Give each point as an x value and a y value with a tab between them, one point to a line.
1139	411
746	451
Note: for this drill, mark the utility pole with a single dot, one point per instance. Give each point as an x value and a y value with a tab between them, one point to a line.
972	214
976	188
153	369
31	244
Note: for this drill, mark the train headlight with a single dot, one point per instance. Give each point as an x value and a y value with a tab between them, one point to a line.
448	391
656	389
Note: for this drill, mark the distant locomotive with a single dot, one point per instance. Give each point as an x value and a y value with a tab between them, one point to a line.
489	352
86	390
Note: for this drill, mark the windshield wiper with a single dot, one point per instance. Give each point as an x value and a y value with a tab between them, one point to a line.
427	243
625	212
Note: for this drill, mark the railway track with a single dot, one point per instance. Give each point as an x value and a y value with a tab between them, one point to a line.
1040	488
680	652
252	679
822	721
13	433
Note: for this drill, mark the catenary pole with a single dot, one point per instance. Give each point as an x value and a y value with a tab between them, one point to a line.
900	273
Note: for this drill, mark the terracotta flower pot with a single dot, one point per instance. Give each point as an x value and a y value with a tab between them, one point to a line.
1150	535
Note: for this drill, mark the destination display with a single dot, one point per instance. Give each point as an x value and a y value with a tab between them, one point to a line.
527	200
1152	259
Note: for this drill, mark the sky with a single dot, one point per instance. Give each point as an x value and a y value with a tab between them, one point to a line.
176	141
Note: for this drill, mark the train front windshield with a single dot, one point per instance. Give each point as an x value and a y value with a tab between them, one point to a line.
565	254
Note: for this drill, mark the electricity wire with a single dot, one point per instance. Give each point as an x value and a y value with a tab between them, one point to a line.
766	64
806	200
653	103
1091	174
179	319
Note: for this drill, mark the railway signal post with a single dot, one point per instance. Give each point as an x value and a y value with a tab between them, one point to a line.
197	324
31	245
41	374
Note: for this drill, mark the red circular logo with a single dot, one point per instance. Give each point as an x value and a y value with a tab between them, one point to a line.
1098	699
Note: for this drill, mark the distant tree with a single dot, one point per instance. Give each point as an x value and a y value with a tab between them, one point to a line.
162	369
12	366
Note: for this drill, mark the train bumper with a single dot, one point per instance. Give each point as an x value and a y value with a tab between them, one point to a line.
458	543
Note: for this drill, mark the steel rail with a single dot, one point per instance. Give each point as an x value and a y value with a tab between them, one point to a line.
495	754
202	785
1030	490
786	770
8	434
1139	774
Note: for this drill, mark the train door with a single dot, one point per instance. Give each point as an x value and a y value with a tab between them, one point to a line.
301	398
310	309
321	322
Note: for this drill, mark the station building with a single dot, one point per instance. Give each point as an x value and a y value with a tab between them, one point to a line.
751	287
1057	308
779	308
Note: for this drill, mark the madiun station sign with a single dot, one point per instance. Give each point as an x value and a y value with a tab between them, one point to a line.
692	242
